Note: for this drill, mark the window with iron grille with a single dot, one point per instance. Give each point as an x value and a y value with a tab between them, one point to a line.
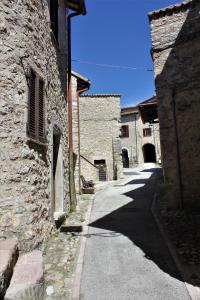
147	132
54	17
124	131
36	108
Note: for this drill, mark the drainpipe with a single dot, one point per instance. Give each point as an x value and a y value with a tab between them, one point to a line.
136	143
154	140
177	150
79	135
72	192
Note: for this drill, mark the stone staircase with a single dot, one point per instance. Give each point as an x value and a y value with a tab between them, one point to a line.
21	277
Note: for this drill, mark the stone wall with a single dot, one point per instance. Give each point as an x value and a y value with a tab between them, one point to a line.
75	132
136	140
100	129
26	206
176	48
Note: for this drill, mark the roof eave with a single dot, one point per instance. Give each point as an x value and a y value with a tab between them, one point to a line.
78	6
170	9
101	95
80	77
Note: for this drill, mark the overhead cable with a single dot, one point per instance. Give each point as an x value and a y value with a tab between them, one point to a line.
111	66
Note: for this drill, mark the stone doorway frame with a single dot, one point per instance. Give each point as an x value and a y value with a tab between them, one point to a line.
56	151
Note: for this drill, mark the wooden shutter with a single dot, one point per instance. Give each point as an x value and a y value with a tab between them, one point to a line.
36	108
41	117
146	132
125	131
32	106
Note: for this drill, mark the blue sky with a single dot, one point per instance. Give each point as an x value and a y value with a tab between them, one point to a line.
116	32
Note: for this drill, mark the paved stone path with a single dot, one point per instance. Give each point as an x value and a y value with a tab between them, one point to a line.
126	256
60	255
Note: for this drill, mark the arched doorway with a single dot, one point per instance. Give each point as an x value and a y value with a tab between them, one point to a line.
149	153
125	158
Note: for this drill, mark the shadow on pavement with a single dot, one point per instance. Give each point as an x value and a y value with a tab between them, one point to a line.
149	170
135	221
137	181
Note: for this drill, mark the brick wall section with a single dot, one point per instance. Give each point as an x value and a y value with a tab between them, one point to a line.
135	142
100	129
25	178
176	48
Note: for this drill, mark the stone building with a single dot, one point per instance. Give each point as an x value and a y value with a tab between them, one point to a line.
100	146
140	136
33	118
175	51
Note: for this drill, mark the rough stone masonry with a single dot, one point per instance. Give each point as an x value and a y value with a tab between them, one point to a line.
26	177
175	35
100	130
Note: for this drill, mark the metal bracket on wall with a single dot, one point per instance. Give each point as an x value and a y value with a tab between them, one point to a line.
26	69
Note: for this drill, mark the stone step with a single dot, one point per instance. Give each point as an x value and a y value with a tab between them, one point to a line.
8	256
27	279
59	218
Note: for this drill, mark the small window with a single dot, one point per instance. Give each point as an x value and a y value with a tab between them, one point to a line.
36	108
124	131
54	17
146	132
99	162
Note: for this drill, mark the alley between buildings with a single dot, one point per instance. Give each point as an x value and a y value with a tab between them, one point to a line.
126	256
65	145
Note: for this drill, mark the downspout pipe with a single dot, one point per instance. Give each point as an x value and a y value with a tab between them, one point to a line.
136	141
79	92
181	206
154	140
69	70
69	56
72	192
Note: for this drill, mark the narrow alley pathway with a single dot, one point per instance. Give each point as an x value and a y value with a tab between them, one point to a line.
126	257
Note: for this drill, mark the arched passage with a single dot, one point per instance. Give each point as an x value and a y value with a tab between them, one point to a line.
125	158
149	153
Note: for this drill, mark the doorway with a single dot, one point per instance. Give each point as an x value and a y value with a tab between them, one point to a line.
149	153
57	166
101	165
125	158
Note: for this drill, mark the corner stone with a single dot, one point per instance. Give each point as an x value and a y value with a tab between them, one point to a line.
8	257
27	280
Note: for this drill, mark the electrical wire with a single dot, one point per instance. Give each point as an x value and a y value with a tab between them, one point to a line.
111	66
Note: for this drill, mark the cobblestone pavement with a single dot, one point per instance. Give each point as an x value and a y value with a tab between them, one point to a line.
60	255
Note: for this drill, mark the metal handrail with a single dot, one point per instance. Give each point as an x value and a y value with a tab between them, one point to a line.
89	162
